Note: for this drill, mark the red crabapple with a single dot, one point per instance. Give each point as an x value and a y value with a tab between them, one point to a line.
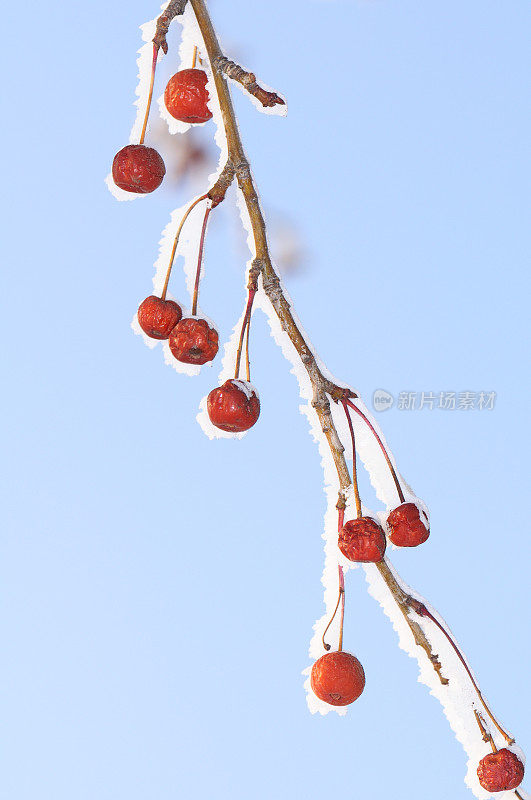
406	526
233	407
137	168
193	341
158	317
186	96
337	678
500	771
363	540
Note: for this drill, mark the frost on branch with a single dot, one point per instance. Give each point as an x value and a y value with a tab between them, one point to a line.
457	697
422	632
264	99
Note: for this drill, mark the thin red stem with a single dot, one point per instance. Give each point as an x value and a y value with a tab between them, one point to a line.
150	95
246	322
354	470
422	611
247	360
340	519
200	260
384	451
175	243
332	618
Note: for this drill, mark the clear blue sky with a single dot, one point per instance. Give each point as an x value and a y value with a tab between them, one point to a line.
159	589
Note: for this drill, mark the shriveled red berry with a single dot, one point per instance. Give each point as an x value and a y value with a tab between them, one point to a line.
137	168
406	526
193	341
338	678
233	407
158	317
501	771
186	96
362	539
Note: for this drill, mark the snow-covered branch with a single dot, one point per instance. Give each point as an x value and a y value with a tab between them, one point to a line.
327	404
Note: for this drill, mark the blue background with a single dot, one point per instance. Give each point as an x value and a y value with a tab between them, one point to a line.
159	589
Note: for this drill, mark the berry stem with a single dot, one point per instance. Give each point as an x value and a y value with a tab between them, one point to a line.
150	95
247	361
342	596
199	260
384	451
325	644
354	470
175	242
422	611
340	599
340	519
245	324
194	57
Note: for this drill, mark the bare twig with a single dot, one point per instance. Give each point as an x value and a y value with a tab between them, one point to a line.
248	81
485	735
174	9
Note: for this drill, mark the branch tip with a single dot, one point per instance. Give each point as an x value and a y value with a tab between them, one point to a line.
174	9
248	81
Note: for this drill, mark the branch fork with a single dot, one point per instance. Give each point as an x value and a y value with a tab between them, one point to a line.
174	9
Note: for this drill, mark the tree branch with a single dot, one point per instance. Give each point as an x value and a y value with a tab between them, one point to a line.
273	289
323	389
174	9
248	81
217	193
